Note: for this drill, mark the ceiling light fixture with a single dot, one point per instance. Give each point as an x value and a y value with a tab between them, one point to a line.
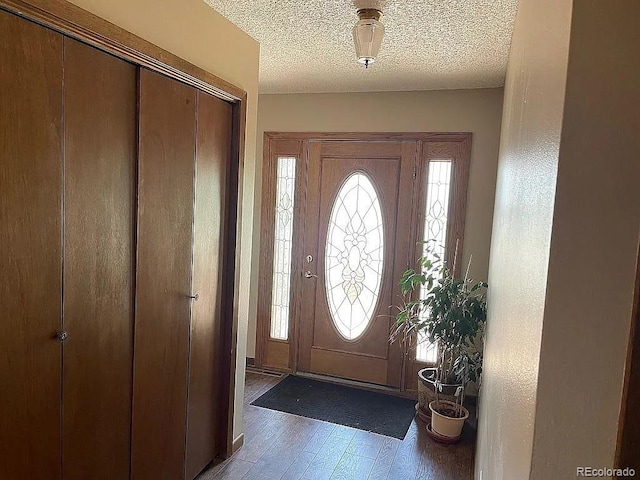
367	35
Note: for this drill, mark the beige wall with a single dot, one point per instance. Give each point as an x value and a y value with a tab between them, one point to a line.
195	32
477	111
564	244
594	244
530	141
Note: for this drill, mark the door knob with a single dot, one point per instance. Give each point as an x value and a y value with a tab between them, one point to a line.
308	274
62	336
194	297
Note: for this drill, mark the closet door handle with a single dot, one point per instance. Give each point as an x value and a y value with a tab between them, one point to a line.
194	297
62	336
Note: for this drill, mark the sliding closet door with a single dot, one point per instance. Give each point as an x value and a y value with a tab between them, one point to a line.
30	248
212	160
165	222
99	178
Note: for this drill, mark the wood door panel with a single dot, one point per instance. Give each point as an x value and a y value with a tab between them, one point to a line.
100	159
389	166
163	286
214	124
341	364
30	248
385	173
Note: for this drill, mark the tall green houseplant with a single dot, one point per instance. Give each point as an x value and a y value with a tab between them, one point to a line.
450	312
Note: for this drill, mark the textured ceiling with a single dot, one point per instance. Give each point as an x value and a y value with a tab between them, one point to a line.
306	45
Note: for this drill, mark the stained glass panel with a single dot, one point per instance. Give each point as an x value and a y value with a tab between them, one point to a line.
283	238
436	222
354	256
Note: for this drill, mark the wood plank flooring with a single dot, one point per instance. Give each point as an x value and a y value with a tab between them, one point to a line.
280	446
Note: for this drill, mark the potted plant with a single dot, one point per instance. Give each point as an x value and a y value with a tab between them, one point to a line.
451	313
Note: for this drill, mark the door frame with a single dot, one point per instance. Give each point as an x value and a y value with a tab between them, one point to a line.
79	24
282	355
628	439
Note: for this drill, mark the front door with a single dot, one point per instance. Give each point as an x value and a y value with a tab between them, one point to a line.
356	246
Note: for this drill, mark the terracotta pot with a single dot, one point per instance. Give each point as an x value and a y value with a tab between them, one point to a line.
439	438
444	425
427	389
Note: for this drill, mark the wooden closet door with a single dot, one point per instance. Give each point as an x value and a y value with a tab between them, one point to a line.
163	288
99	233
30	248
212	161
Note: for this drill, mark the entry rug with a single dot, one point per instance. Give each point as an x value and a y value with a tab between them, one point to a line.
370	411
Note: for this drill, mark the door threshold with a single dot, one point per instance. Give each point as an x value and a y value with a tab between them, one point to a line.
267	373
374	387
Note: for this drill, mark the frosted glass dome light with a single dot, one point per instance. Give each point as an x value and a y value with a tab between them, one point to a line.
367	35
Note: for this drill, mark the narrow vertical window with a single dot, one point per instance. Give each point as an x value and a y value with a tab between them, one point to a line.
436	223
283	238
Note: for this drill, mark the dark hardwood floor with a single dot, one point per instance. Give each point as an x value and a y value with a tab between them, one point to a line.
283	446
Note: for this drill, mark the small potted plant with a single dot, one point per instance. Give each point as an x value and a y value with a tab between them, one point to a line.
451	313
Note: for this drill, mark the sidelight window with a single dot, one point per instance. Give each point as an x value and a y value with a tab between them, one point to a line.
436	225
283	240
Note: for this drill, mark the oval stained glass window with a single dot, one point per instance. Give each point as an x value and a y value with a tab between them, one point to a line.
354	256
